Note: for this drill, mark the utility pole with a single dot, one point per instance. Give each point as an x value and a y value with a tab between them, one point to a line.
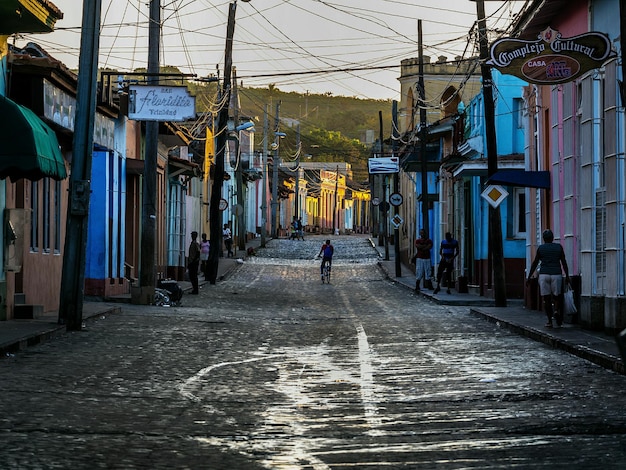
147	274
73	275
241	204
385	183
275	163
215	215
423	133
396	187
297	199
265	180
495	222
335	205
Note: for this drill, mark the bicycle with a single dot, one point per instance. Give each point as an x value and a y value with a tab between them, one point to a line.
326	272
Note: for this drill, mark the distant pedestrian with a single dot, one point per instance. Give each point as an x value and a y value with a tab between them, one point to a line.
423	266
448	250
205	247
228	240
294	229
193	262
553	264
300	229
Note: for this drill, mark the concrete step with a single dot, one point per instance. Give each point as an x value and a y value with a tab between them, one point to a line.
27	311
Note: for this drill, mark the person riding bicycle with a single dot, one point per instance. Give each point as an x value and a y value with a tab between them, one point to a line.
328	250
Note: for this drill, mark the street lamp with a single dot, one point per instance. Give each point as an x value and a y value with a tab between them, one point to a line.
234	134
246	126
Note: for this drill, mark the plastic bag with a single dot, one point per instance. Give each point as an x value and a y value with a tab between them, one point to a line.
569	307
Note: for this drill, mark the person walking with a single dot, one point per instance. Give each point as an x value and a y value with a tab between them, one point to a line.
423	266
205	247
228	240
193	262
553	263
300	229
448	250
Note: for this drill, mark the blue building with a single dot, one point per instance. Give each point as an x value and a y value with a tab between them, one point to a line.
464	178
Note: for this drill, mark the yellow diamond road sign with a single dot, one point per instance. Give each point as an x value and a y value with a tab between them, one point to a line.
494	194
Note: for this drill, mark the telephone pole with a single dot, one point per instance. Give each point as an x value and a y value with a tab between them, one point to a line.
215	215
297	198
423	133
265	180
396	188
241	204
73	274
495	222
275	163
147	271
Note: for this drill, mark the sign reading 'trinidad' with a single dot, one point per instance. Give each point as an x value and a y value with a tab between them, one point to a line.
160	103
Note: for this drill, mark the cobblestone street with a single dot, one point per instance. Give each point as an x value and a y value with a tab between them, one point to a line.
273	369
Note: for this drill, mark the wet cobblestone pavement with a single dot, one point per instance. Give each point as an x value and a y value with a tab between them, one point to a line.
273	369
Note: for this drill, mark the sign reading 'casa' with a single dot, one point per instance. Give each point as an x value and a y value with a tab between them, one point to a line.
551	59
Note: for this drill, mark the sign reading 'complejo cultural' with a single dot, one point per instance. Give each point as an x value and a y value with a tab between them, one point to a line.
160	103
551	58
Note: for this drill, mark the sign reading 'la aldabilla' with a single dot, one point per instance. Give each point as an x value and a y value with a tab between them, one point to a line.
551	59
160	103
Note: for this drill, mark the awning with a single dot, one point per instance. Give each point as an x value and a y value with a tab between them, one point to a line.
182	167
526	179
21	16
28	147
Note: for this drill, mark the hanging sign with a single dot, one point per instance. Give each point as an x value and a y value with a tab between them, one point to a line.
383	165
160	103
551	59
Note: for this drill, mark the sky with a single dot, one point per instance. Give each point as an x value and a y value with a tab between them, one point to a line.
339	47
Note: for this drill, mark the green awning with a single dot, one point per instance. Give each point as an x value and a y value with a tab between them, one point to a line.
28	16
28	147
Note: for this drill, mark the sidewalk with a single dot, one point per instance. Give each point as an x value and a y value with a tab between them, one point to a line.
16	335
593	346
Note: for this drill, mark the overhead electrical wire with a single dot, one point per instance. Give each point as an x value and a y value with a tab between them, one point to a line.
376	27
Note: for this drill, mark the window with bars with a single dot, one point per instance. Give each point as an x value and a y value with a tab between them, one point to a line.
519	212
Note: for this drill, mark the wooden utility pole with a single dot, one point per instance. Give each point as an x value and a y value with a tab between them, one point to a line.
495	222
275	163
240	209
147	265
423	133
335	204
297	198
384	202
265	180
73	274
215	214
396	188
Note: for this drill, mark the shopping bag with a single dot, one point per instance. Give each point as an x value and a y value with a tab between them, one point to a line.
569	307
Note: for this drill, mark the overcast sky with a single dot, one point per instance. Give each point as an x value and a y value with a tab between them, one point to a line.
365	39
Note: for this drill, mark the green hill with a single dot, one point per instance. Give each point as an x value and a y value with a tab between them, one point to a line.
332	128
